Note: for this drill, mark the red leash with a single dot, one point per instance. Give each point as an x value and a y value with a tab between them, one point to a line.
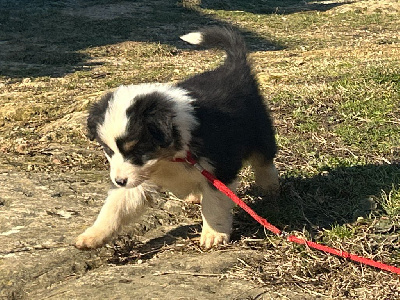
291	238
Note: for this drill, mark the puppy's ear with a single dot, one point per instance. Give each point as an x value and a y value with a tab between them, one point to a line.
96	115
91	128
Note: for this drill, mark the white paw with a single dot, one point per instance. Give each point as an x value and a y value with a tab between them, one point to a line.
210	238
91	239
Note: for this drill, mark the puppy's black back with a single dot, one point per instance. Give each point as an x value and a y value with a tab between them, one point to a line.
234	121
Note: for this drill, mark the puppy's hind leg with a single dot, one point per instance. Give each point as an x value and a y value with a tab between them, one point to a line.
266	174
121	205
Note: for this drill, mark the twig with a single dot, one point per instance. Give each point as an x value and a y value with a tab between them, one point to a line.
159	273
243	262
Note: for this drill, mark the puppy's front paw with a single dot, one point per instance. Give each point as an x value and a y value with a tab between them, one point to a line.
91	239
210	238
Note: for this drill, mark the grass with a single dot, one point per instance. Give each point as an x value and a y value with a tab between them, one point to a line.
340	232
390	202
329	71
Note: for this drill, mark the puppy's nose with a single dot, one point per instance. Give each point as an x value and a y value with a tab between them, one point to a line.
121	181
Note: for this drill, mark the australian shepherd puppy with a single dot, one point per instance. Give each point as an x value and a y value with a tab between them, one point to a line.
219	116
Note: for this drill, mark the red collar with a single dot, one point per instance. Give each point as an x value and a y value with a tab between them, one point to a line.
189	159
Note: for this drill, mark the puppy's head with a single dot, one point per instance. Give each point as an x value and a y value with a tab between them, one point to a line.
137	126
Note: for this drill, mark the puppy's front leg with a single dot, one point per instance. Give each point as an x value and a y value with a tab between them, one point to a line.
216	211
121	205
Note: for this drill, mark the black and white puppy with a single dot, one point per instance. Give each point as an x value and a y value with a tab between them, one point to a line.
219	116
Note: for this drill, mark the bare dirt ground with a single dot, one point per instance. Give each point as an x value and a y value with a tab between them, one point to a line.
58	57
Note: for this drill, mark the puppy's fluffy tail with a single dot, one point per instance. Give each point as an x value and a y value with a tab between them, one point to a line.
222	38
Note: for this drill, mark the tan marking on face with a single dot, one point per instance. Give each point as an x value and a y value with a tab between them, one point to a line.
129	145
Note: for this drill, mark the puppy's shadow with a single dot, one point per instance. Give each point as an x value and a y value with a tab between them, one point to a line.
334	197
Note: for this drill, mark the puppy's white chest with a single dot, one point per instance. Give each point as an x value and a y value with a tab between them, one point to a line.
178	178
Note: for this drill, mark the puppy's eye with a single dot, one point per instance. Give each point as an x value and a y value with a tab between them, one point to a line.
108	150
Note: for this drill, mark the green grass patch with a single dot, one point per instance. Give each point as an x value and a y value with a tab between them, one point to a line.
390	201
340	232
367	109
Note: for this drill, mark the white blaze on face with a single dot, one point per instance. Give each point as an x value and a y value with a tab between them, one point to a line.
115	126
115	119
